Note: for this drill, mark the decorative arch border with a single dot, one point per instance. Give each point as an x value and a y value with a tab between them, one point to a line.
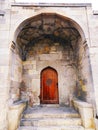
52	11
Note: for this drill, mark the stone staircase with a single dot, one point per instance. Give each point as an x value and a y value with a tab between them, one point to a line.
50	118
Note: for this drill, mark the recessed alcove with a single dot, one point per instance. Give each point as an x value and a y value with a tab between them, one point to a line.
50	40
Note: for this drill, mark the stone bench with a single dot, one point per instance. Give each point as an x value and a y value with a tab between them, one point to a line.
86	112
14	114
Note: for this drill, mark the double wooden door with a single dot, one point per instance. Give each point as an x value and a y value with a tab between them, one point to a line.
49	86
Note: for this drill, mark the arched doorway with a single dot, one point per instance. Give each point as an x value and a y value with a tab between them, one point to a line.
57	41
51	39
49	86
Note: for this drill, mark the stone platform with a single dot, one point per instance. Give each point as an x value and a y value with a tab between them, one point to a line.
51	111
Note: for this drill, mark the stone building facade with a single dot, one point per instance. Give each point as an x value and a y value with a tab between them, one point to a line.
36	38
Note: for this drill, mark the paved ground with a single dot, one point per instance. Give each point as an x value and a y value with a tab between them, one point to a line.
49	109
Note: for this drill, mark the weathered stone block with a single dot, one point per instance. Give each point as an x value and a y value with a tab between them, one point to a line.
14	115
51	57
87	114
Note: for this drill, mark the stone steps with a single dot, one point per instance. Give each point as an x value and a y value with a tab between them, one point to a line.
72	115
51	128
50	105
44	115
50	118
50	122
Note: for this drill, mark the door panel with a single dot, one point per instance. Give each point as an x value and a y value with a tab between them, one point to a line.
49	86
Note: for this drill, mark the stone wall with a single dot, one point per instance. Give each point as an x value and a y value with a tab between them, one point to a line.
85	83
15	74
93	30
10	18
4	62
46	53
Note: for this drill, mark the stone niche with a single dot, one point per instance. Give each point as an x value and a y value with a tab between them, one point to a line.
50	40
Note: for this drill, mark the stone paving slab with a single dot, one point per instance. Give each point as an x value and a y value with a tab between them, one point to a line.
50	109
53	128
50	122
51	112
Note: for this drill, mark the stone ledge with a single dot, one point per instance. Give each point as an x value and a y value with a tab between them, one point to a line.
17	104
51	4
2	13
82	104
95	12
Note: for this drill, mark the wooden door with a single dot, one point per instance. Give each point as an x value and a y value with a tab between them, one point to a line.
49	86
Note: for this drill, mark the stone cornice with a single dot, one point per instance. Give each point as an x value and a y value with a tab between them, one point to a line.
52	4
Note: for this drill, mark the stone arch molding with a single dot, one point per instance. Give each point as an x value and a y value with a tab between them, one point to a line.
50	67
51	11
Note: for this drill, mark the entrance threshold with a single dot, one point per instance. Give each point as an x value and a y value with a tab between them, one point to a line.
49	105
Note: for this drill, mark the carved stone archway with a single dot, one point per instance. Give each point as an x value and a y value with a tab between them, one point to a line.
54	40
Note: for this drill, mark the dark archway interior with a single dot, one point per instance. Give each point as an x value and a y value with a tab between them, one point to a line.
46	26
